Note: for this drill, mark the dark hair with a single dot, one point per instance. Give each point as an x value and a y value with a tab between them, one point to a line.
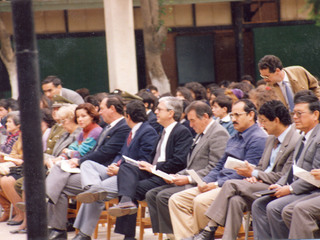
223	101
249	107
4	104
149	98
224	83
117	102
83	92
90	109
200	108
270	62
46	116
92	99
151	87
136	111
248	78
198	89
13	104
260	82
52	79
186	93
276	109
307	96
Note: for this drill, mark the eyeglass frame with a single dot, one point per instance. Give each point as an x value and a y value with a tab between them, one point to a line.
237	115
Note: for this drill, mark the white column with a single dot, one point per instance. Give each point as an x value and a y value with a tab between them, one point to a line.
121	50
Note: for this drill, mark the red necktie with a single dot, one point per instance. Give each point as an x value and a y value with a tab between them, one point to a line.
129	138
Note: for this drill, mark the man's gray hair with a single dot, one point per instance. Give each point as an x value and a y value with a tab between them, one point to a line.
175	104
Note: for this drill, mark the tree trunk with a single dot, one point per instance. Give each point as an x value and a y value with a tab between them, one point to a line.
8	58
154	36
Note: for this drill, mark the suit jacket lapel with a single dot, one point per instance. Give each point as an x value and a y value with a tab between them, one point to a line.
201	143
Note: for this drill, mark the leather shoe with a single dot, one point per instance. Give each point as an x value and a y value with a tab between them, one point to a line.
121	209
18	231
205	234
14	223
95	193
81	236
56	234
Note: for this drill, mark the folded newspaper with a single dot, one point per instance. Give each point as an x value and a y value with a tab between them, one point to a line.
65	166
234	163
158	173
305	175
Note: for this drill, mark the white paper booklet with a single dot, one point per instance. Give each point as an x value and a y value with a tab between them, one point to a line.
195	177
233	163
10	159
131	161
305	175
162	174
66	167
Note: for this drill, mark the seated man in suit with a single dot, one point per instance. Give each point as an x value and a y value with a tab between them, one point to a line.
286	81
266	211
61	184
187	207
236	196
52	86
170	156
101	181
303	215
208	147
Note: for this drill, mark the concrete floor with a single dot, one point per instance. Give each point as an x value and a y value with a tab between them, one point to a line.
6	235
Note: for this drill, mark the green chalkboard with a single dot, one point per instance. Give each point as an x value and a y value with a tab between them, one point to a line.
294	45
195	59
80	62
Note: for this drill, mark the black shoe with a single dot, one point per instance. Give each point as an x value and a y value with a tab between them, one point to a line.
56	234
81	236
205	234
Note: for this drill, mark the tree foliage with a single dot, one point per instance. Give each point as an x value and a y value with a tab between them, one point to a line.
315	12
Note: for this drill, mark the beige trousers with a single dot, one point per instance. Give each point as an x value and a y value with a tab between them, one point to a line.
187	210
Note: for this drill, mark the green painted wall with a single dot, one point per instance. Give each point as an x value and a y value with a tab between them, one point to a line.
79	62
294	45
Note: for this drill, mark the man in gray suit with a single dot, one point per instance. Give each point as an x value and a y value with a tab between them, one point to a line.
206	150
266	211
52	86
236	196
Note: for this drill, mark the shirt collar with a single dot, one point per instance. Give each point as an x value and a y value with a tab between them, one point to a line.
307	136
135	128
115	122
208	126
170	127
248	132
226	118
284	134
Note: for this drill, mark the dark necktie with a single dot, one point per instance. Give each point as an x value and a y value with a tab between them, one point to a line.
300	149
276	143
156	157
289	96
195	142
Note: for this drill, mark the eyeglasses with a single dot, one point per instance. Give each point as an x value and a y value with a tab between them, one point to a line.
236	115
297	113
265	77
162	109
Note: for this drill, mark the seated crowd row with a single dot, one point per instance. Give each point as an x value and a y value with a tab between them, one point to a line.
95	136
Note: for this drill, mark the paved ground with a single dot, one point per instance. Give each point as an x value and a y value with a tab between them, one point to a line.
6	235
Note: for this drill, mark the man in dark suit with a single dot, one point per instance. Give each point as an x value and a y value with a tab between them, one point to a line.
266	211
101	181
170	156
286	81
52	86
236	196
208	147
61	184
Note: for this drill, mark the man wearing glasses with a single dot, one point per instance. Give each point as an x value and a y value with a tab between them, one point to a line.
187	208
286	81
268	212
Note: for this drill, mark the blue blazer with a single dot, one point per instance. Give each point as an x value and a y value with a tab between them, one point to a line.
110	146
141	146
